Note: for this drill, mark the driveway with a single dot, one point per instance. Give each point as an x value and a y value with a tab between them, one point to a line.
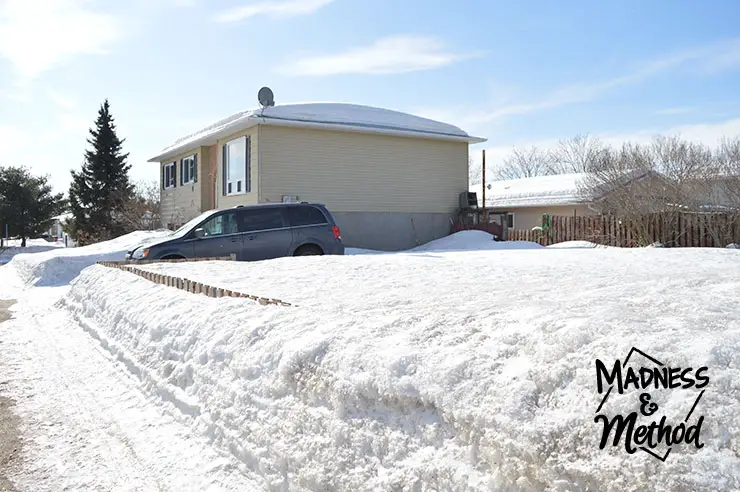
9	435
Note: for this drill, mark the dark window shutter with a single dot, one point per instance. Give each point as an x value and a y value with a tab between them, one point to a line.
195	168
164	176
224	168
247	156
174	174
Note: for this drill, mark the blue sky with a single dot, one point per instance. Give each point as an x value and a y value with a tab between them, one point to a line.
515	72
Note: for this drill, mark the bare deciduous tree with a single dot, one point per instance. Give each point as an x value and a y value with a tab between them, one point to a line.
525	163
142	211
576	155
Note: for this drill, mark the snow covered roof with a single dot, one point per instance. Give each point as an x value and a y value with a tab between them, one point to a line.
539	191
63	217
329	116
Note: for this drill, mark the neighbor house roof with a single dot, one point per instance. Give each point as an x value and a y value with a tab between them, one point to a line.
538	191
329	116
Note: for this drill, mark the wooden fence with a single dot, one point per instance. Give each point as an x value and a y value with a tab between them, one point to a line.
696	230
186	284
491	228
535	236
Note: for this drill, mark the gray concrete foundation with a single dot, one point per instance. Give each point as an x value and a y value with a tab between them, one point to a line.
390	231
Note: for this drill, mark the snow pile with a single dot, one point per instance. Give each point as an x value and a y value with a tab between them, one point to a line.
32	246
733	246
60	265
459	242
559	189
319	114
577	245
472	241
35	243
454	372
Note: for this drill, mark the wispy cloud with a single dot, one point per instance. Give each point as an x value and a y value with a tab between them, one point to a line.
675	111
705	60
36	36
395	54
285	8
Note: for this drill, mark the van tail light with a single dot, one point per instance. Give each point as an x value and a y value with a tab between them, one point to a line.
337	234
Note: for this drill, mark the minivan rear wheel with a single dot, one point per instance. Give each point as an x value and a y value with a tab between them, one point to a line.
309	250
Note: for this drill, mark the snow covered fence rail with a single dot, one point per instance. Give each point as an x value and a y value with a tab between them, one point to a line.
187	284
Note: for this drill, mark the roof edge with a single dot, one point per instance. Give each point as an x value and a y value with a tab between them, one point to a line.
254	120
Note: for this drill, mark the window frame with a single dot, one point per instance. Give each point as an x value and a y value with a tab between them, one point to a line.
170	179
225	166
191	172
513	220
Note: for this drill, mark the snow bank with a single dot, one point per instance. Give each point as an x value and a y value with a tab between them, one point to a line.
577	245
7	254
35	243
459	241
473	241
59	266
453	372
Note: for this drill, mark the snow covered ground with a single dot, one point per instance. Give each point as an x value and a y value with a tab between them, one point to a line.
13	247
56	267
462	365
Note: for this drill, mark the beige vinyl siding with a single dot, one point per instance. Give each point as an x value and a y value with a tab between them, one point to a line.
356	172
529	217
207	177
183	202
247	198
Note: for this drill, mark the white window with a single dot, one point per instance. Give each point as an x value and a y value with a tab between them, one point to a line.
188	170
236	167
510	221
168	175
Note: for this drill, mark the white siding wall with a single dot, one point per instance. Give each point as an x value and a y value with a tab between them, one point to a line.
529	217
356	172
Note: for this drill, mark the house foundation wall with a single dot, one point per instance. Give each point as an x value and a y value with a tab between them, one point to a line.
390	231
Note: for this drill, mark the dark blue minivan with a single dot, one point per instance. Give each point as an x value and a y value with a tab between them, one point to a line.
250	233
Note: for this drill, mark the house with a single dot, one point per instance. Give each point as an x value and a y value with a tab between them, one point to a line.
392	180
526	200
55	229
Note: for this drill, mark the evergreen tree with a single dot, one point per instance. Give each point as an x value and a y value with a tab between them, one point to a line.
27	204
100	190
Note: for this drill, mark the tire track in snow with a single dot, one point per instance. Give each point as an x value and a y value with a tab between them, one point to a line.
89	426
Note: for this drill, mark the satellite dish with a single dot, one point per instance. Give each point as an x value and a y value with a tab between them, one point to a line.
266	97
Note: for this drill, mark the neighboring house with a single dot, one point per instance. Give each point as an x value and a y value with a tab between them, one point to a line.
526	200
391	180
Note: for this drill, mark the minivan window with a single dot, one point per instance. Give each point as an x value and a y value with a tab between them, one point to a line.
221	224
190	224
260	219
304	216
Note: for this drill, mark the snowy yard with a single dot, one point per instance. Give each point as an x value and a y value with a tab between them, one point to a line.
462	365
13	247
